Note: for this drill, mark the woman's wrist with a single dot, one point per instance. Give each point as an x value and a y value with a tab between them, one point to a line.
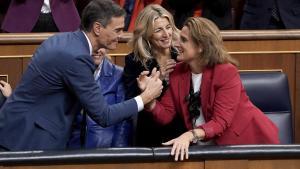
198	134
151	105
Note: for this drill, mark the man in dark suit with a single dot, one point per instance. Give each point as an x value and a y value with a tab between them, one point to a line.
59	80
41	16
271	14
219	11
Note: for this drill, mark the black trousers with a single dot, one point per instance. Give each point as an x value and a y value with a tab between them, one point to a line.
45	23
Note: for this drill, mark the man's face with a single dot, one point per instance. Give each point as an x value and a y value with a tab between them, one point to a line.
110	34
99	56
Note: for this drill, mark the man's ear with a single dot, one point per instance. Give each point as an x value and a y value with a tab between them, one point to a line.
97	28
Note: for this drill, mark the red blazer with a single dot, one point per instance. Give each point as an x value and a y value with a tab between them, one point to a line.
230	116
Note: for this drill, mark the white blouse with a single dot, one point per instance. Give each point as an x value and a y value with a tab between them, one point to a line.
197	79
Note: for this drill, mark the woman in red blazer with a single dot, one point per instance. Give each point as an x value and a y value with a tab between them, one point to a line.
206	91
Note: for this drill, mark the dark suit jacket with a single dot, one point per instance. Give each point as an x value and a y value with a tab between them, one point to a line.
22	15
58	80
118	135
257	14
219	11
230	116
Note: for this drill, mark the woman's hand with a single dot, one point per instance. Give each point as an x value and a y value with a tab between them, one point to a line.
142	80
5	88
181	144
166	69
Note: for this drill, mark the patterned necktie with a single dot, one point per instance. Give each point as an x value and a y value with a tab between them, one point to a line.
275	11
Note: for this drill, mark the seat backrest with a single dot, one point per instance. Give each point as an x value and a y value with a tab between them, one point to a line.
269	91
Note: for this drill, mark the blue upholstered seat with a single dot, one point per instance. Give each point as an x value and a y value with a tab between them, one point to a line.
269	91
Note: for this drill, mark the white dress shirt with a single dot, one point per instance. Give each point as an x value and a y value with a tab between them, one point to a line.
46	7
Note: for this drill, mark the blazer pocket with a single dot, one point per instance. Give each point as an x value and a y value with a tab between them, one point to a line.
238	130
49	126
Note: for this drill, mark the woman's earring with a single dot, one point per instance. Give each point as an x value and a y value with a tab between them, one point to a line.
149	45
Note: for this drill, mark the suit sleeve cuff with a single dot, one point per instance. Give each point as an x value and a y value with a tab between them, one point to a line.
139	103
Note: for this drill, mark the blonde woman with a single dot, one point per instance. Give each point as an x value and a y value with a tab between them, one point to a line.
206	92
152	45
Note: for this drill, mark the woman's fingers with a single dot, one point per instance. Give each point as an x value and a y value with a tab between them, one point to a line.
180	148
168	143
143	73
3	82
187	151
177	152
182	153
174	148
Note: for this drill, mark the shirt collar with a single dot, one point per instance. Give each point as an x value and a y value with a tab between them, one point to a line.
89	42
98	70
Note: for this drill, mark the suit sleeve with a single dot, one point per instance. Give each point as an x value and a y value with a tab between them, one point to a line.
164	110
79	79
225	104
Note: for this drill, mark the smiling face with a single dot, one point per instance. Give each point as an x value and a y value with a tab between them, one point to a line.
162	33
109	35
99	56
188	49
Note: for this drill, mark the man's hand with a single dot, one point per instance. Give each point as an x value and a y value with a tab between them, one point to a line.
5	88
153	88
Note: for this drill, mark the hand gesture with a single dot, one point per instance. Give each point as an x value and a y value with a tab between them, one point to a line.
180	145
153	87
142	80
166	69
5	88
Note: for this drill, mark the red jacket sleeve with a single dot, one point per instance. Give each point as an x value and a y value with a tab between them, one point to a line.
164	110
227	96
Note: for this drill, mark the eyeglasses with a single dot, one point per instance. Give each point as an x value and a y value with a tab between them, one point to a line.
194	104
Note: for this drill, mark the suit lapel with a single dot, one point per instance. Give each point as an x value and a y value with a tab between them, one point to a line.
183	90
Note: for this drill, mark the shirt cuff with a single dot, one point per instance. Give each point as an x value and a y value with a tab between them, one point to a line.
139	103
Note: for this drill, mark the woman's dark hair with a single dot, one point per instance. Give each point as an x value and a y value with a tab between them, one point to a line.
100	11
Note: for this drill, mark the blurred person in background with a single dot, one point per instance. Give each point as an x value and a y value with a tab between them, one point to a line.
41	16
218	11
271	14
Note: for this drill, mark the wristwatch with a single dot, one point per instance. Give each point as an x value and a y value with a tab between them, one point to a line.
195	137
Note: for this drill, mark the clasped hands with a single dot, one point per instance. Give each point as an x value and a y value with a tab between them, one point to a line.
151	86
